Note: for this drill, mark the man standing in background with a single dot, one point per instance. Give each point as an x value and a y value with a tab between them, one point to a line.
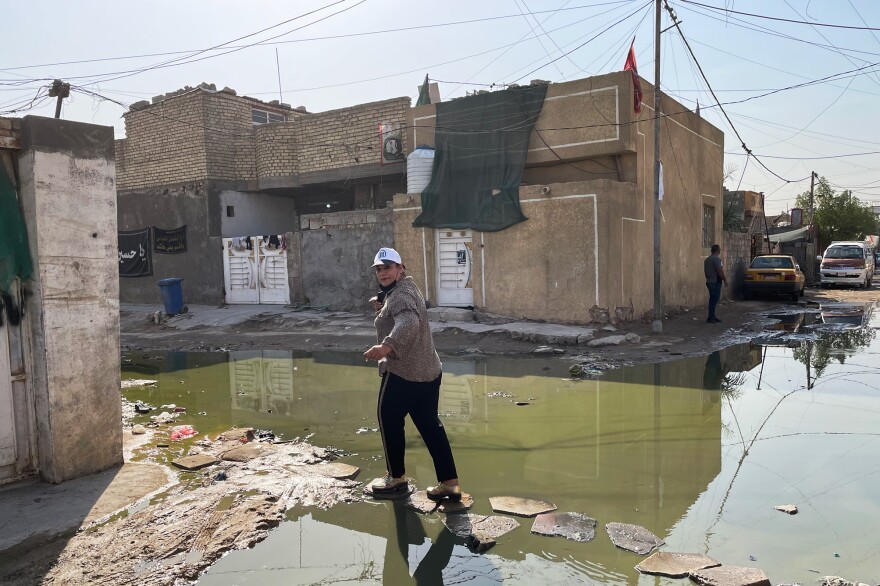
714	270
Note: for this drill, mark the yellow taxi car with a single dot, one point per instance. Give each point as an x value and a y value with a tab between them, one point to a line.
774	274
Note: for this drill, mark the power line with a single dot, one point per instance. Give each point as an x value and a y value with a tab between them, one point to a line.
715	97
776	18
600	33
188	59
310	39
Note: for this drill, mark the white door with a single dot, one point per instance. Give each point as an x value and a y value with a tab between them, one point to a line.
255	271
454	263
274	286
7	421
240	270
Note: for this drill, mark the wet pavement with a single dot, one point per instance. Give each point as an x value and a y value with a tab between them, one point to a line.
697	451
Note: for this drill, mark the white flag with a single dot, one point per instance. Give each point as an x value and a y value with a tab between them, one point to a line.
660	187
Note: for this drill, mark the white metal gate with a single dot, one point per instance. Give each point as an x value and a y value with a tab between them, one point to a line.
255	270
454	264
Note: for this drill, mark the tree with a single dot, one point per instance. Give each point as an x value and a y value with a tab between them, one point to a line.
838	216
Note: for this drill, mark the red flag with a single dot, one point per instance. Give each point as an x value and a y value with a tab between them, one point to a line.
637	86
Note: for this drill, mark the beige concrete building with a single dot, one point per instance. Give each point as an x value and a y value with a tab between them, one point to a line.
231	167
586	250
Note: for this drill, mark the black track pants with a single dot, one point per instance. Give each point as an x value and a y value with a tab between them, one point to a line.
398	398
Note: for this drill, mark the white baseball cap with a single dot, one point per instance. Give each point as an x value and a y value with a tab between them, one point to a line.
386	256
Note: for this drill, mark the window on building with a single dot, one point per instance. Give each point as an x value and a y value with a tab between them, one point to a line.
708	226
263	117
230	211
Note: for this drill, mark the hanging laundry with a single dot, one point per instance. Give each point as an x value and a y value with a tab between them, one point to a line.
274	241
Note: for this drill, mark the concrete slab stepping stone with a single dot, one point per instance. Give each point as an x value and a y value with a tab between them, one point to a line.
675	565
521	507
419	501
244	452
634	538
195	462
730	576
574	526
790	509
337	470
237	434
481	526
388	496
461	506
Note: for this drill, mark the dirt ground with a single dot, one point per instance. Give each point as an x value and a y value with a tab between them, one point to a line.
685	333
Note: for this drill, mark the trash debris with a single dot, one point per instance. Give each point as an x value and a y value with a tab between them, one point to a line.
180	409
142	408
137	382
182	432
790	509
499	395
172	406
220	476
521	403
163	417
361	430
138	430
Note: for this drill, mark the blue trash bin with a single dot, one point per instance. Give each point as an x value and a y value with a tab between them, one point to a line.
172	295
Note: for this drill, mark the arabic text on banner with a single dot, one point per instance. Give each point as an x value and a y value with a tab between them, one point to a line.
135	253
169	241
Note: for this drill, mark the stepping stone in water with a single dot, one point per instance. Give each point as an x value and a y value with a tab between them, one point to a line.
337	470
388	496
420	502
481	526
448	506
195	462
244	452
730	576
633	538
521	507
675	565
574	526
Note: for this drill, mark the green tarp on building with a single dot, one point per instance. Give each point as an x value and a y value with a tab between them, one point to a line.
15	257
481	144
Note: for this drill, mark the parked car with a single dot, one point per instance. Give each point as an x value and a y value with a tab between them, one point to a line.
847	263
774	274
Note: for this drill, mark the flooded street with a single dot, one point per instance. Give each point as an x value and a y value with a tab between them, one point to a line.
698	451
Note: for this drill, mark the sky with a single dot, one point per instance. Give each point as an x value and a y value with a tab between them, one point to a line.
328	54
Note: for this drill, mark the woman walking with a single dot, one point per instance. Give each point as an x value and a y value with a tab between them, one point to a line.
411	373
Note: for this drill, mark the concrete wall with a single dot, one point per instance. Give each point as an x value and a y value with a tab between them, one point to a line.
736	254
256	214
337	251
69	201
201	266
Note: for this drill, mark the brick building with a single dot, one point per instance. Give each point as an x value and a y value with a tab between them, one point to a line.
230	167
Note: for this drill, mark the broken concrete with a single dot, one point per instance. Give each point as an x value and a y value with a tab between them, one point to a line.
337	470
196	462
607	341
675	565
634	538
838	581
574	526
480	526
730	576
420	502
447	314
245	452
521	507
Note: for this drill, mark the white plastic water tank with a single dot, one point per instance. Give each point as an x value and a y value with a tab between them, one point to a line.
419	164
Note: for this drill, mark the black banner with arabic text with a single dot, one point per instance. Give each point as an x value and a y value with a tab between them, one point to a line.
135	253
169	241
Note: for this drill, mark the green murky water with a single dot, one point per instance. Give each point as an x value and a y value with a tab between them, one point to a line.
698	451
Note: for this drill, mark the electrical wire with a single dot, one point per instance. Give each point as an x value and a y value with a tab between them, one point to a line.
778	19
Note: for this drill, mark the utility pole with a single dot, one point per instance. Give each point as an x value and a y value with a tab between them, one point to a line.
812	187
60	90
657	324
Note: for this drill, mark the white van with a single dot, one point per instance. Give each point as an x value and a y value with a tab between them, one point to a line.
847	263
